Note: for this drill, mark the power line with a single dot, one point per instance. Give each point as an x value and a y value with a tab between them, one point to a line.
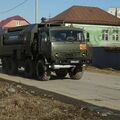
6	11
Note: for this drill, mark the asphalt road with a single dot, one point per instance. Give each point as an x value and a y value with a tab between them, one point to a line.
98	89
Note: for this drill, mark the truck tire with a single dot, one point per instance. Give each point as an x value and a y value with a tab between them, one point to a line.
41	71
5	65
29	68
12	66
61	73
76	73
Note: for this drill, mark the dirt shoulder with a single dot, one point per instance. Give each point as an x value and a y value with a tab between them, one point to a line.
103	70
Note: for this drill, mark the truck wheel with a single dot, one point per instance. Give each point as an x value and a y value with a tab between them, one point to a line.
29	68
12	66
4	65
76	73
61	73
41	71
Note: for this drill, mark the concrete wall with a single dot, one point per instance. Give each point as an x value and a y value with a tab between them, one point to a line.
103	58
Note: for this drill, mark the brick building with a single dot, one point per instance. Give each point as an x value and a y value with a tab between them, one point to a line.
13	21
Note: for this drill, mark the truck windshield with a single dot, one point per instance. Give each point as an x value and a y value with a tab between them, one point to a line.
67	35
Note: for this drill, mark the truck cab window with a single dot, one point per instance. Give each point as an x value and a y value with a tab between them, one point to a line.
67	35
80	37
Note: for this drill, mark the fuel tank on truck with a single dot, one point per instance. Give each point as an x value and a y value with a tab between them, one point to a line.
20	35
13	39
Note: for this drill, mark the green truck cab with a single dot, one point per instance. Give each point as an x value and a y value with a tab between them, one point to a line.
44	49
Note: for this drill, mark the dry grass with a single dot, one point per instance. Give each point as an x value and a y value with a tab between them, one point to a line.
22	105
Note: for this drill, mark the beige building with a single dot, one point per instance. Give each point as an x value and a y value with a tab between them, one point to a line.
114	11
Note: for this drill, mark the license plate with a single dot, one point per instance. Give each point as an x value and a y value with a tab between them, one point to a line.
74	61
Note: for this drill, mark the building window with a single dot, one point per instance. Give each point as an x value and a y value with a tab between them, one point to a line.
18	23
105	35
115	35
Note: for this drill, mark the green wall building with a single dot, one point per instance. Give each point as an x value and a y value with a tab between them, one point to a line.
103	29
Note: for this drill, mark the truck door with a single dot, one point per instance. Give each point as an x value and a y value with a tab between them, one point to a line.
44	43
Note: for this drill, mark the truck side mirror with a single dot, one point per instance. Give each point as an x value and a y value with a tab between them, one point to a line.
44	37
87	37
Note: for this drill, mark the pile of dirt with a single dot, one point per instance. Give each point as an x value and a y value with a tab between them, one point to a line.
18	103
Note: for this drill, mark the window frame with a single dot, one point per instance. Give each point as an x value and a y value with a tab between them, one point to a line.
115	35
105	35
18	23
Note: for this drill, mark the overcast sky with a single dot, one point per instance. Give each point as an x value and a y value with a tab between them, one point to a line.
48	8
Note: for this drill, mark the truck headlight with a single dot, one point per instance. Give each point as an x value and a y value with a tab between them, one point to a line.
83	47
56	55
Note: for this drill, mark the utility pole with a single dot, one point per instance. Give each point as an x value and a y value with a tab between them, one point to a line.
36	11
116	12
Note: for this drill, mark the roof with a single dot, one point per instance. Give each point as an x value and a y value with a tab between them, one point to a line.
86	15
4	22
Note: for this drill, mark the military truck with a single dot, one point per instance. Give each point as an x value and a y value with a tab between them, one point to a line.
42	49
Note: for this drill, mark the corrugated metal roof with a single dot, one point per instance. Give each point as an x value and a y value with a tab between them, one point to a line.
86	15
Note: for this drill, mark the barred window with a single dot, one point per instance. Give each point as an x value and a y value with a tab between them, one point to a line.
115	35
105	35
